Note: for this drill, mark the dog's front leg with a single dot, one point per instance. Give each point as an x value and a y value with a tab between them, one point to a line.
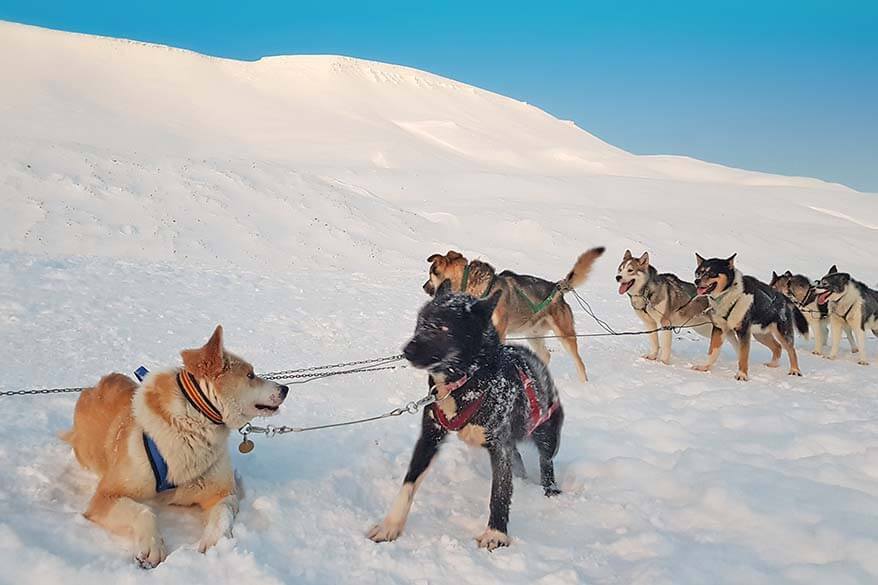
651	326
121	515
425	449
819	327
501	496
221	512
854	347
836	324
743	354
716	343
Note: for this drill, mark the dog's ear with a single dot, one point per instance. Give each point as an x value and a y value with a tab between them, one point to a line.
643	260
698	259
627	255
433	257
452	255
485	307
774	278
443	290
731	260
833	270
788	274
206	361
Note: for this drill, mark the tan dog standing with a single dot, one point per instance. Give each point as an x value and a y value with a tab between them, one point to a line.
178	419
528	304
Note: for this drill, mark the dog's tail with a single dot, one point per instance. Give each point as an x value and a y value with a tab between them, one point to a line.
801	322
577	276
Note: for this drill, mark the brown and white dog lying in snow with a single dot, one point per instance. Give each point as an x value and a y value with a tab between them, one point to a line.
167	442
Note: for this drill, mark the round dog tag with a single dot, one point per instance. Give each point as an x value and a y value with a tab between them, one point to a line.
246	446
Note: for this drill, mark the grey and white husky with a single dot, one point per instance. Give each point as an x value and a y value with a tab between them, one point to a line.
851	303
800	289
661	300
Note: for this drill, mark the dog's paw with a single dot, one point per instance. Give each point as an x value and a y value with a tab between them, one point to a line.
855	350
385	532
742	376
551	491
863	362
772	364
795	372
830	357
151	551
491	539
701	368
650	356
210	538
816	352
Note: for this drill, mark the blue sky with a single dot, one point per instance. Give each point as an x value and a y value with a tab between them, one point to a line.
786	87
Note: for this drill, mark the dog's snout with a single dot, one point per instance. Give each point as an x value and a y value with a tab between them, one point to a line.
429	288
283	390
410	350
618	278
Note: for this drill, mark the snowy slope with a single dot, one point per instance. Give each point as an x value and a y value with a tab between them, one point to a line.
147	193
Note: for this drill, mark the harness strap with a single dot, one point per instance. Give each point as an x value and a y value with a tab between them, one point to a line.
534	307
465	280
196	397
537	416
461	419
490	285
158	464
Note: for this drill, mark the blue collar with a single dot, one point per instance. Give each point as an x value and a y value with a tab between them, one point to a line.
158	464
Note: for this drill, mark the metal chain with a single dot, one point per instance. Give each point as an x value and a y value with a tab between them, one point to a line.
287	374
40	391
270	430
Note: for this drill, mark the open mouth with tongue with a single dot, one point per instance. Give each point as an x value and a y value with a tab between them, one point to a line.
823	297
625	286
706	290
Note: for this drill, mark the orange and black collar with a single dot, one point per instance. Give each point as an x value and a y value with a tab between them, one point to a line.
196	397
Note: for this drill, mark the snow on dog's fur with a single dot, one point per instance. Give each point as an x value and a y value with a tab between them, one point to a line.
112	419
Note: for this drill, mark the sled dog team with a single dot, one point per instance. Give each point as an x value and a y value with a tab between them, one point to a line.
165	441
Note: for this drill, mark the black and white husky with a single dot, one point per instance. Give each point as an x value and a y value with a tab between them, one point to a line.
851	304
744	305
491	395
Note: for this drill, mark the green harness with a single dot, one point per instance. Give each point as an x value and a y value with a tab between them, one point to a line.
465	281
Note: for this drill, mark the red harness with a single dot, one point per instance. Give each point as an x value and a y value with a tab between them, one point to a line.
460	420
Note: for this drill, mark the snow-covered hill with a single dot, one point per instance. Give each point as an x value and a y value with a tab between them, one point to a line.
147	193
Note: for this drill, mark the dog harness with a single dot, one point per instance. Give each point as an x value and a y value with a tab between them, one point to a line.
537	307
461	419
537	416
156	462
465	281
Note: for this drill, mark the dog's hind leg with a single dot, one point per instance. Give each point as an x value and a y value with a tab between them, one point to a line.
820	331
426	448
538	344
501	497
786	339
547	438
518	469
851	340
561	320
743	355
768	340
124	516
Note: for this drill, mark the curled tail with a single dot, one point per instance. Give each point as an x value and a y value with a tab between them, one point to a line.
579	273
801	322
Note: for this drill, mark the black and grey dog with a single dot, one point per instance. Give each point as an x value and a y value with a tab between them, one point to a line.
744	306
851	304
491	395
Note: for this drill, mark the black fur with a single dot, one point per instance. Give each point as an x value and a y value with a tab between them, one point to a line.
454	337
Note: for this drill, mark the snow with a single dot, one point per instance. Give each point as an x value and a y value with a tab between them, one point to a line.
148	193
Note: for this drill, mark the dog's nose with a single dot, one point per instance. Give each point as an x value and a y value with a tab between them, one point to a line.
283	391
428	288
618	278
410	350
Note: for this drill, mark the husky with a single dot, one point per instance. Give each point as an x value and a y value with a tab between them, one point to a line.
491	395
528	304
800	290
167	442
745	306
661	300
850	303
